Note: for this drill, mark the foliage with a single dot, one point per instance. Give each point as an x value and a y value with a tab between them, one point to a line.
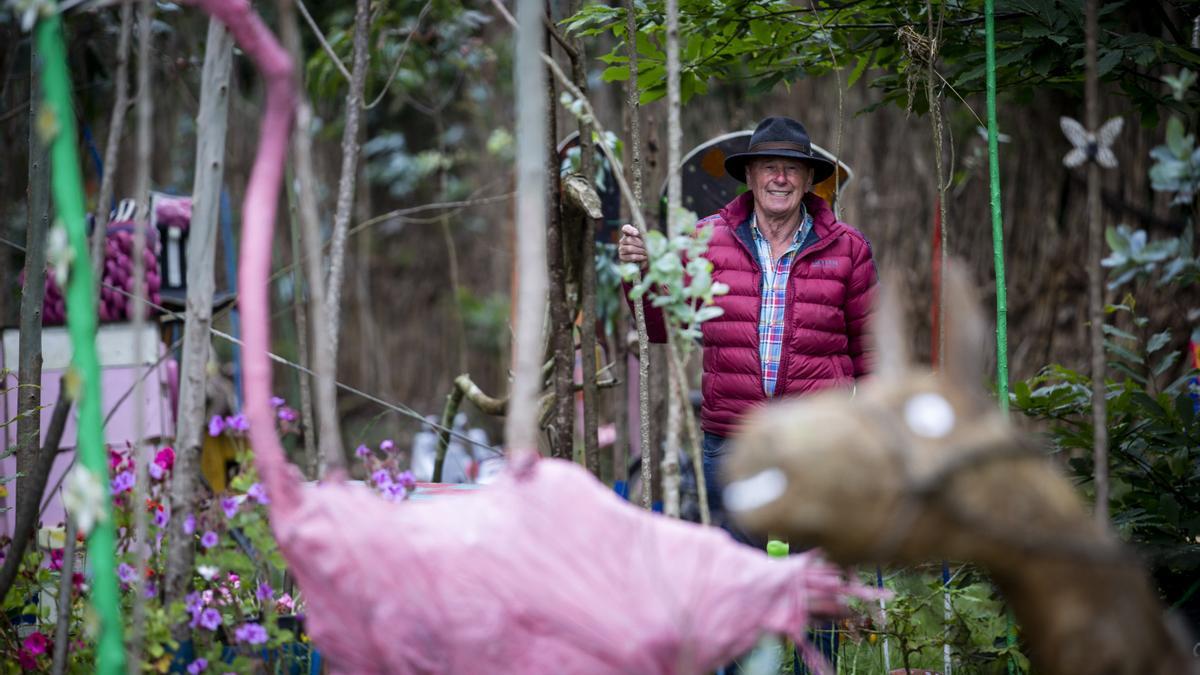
241	618
917	626
1040	45
684	290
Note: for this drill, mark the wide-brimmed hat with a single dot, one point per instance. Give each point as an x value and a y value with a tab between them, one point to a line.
779	137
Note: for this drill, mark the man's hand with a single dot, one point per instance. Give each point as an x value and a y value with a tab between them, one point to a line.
631	247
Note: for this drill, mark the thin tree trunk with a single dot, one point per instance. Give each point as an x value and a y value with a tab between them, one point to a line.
329	440
62	627
587	283
137	310
299	307
674	204
449	412
562	342
620	352
1096	277
521	427
29	341
29	499
690	440
350	152
112	147
212	123
639	313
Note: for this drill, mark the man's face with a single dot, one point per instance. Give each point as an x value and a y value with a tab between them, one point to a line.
778	185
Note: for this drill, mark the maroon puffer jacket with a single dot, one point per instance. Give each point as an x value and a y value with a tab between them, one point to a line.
828	303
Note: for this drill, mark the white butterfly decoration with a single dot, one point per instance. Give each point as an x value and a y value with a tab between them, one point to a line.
1091	146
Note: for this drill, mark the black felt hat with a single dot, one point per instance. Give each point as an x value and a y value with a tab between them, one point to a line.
780	137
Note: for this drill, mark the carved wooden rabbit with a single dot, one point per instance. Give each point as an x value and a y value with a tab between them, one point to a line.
917	467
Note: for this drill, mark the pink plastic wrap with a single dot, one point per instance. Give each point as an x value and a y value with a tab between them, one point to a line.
545	571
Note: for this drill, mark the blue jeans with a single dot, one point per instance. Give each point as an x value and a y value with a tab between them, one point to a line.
824	636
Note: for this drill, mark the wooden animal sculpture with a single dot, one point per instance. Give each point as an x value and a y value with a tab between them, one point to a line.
923	467
545	571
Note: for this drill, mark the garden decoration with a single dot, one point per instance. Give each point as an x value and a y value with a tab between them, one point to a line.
920	467
525	576
57	127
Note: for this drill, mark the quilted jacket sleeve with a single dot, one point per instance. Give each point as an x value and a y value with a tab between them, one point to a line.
859	304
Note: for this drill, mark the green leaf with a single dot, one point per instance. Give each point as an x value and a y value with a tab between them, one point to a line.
615	74
1117	350
1175	138
1108	61
1117	332
1158	341
859	68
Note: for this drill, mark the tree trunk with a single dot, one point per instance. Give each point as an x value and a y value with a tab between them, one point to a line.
29	348
562	342
212	123
329	441
299	308
674	204
521	424
639	314
1096	277
116	127
350	152
587	283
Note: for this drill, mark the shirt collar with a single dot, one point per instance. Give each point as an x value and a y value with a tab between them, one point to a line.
797	239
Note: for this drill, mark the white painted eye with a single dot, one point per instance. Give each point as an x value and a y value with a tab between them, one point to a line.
758	490
929	415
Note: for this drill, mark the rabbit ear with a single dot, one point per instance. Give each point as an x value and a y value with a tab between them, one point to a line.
966	332
888	333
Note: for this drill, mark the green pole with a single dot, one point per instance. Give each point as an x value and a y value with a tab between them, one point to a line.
67	187
997	222
997	243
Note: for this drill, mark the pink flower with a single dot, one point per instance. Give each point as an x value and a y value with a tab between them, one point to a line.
56	558
77	581
277	401
284	603
287	414
36	643
209	539
156	471
165	458
387	446
216	425
26	660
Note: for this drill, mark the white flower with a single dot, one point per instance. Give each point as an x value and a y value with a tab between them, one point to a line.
207	571
83	496
59	253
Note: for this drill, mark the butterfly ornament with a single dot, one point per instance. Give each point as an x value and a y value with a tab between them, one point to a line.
1090	146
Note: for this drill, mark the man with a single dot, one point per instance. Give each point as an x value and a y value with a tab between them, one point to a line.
799	295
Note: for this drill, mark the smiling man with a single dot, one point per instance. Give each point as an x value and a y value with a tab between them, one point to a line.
800	285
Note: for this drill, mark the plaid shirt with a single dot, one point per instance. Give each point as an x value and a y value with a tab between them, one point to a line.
774	298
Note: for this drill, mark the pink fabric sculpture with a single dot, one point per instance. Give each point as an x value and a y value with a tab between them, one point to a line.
545	571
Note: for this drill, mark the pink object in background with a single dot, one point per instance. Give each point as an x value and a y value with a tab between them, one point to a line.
545	571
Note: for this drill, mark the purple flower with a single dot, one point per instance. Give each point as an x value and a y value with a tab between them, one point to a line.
197	666
407	480
264	592
230	506
151	589
210	619
216	425
160	518
251	633
189	524
258	493
123	482
209	539
394	492
382	478
362	450
277	401
237	422
287	414
193	602
156	471
387	446
126	573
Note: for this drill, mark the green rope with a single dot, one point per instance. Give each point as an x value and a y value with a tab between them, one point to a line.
67	187
997	246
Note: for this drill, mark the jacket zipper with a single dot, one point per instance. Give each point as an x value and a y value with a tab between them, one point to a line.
781	382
